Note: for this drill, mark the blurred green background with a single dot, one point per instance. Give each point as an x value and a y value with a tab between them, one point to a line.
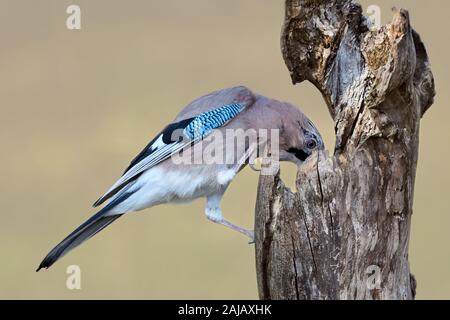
76	106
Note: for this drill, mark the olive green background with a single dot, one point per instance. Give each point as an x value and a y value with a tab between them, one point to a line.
76	106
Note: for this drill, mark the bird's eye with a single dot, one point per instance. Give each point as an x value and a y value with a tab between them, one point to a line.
311	144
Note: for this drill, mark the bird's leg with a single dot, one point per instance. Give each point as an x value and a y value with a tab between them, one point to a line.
248	233
248	155
218	218
214	214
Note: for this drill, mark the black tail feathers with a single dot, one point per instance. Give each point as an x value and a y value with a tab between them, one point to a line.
88	229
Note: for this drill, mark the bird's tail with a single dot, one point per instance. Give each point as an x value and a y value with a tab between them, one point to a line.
88	229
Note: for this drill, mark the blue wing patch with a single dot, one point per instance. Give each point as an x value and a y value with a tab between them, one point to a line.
194	129
207	121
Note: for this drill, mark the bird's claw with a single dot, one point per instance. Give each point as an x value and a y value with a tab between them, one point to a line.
251	235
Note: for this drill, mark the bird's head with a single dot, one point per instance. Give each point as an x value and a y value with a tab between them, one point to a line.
299	138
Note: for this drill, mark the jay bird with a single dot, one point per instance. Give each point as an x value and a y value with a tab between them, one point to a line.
154	178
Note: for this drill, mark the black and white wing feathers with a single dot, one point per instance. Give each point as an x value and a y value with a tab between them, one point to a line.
172	140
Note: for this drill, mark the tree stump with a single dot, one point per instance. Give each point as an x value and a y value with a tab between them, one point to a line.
344	234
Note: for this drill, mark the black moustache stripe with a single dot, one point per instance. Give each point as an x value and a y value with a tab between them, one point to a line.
300	154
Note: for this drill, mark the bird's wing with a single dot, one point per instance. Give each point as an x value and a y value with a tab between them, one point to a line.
173	139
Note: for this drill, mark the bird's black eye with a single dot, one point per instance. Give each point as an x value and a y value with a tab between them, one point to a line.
311	144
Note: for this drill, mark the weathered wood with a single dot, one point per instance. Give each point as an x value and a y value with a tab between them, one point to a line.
344	234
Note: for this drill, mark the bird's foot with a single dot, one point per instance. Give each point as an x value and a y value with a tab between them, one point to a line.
249	233
252	238
254	167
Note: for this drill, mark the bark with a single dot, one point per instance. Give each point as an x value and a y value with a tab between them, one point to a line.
344	234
